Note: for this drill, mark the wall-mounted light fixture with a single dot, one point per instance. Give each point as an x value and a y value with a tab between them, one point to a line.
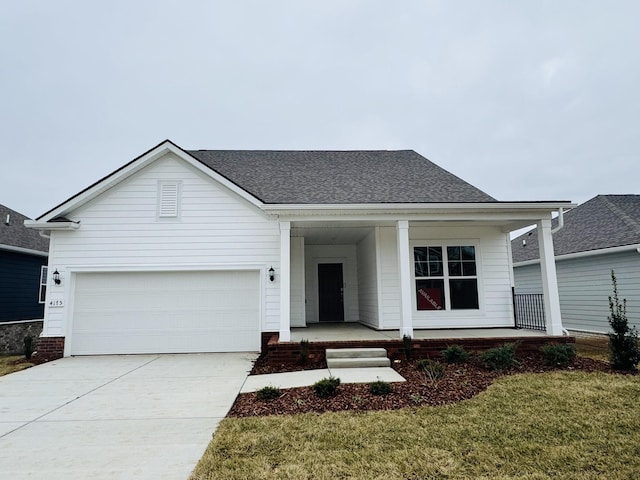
56	277
272	274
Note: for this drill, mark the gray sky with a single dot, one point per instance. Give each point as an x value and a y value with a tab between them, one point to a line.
535	100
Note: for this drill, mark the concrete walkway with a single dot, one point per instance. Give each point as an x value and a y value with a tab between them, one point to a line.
115	417
309	377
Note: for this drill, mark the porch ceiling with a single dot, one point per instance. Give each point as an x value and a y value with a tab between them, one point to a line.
331	235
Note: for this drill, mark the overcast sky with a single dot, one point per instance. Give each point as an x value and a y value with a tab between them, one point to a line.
536	100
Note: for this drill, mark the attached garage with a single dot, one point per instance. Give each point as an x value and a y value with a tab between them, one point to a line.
165	312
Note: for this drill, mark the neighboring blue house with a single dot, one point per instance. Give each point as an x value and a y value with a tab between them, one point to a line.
601	235
23	275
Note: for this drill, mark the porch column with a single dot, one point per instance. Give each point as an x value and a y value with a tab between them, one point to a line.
285	281
549	280
404	270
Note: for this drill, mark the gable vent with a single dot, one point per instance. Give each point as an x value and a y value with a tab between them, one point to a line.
168	201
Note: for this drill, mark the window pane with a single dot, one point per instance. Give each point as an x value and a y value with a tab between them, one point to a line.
455	269
435	254
469	269
464	294
430	294
453	253
43	293
468	253
422	269
420	254
435	269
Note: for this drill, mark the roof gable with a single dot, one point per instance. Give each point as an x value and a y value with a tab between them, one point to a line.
340	177
605	221
15	234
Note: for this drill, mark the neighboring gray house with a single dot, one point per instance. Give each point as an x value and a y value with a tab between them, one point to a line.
598	236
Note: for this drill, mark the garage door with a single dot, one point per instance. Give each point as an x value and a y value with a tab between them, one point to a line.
166	312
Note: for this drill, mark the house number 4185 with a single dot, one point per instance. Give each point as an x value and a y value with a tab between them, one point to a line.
56	303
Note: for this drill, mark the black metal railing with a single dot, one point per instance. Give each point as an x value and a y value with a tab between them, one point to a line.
529	311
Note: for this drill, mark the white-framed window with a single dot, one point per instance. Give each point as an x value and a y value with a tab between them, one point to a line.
446	277
168	199
42	292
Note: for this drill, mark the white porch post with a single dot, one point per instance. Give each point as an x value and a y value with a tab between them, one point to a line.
549	279
285	281
404	270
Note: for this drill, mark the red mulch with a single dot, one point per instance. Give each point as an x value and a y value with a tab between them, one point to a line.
460	382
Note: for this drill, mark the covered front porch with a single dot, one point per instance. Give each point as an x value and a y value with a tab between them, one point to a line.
446	268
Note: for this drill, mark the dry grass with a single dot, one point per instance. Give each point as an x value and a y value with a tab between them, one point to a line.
8	365
534	426
596	347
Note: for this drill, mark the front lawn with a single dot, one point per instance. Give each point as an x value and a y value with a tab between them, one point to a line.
13	363
559	424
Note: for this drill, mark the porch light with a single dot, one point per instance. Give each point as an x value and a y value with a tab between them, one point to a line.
272	274
56	277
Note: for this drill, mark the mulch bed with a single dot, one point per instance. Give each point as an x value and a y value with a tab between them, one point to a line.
460	382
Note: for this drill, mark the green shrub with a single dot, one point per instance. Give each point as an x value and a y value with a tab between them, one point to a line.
455	354
432	369
559	355
624	353
327	387
29	347
304	351
500	358
380	387
268	393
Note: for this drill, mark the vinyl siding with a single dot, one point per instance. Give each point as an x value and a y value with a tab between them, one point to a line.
121	228
584	286
20	286
387	242
367	280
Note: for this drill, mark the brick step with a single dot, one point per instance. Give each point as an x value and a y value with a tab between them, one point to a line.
358	362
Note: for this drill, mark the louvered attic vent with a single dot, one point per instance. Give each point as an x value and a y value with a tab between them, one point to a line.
168	201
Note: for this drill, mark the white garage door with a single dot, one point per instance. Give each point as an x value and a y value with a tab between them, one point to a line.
166	312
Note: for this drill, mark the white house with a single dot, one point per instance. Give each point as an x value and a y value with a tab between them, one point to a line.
601	235
205	251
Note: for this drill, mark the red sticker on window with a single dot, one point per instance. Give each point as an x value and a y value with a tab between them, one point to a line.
429	299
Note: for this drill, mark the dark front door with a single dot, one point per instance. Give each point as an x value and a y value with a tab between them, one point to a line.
330	292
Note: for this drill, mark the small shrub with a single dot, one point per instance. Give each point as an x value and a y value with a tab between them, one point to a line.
559	355
268	393
624	353
29	347
432	369
327	387
304	351
455	354
417	398
500	358
380	387
407	346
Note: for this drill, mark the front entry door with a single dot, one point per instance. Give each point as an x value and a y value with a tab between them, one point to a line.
330	292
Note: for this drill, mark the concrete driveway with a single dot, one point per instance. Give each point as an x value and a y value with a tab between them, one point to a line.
115	417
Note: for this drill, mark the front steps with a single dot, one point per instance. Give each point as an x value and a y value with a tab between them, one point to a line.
357	357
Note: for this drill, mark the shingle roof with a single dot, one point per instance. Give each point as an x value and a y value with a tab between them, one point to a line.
326	177
605	221
15	234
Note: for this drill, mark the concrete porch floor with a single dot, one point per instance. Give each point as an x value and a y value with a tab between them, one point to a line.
331	332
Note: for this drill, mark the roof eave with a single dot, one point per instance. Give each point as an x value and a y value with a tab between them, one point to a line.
587	253
49	226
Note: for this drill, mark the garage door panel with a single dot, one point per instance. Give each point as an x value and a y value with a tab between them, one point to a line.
166	312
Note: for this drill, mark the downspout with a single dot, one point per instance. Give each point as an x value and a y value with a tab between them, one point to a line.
560	220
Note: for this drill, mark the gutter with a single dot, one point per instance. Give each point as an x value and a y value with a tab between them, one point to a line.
588	253
28	251
49	226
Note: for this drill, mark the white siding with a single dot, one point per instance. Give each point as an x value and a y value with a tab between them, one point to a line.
121	229
584	285
297	282
315	254
387	242
368	280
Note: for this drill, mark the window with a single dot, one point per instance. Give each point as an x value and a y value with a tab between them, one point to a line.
446	277
42	294
168	199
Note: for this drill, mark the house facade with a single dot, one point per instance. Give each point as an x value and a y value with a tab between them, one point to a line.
200	251
23	275
601	235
